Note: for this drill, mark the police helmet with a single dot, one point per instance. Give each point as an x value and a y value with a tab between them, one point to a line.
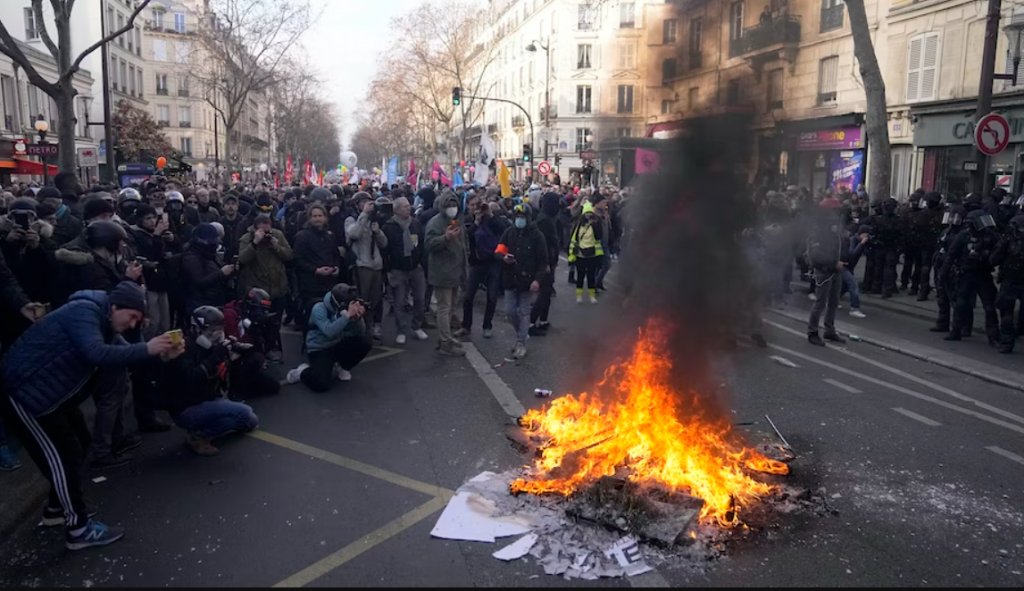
105	234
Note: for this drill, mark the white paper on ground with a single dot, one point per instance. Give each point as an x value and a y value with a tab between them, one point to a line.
516	549
626	552
469	516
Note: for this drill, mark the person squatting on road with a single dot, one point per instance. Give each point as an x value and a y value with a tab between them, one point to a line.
336	341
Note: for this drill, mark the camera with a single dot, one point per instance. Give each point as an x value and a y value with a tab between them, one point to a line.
22	218
382	212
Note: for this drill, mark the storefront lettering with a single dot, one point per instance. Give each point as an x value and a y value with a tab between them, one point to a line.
965	129
957	129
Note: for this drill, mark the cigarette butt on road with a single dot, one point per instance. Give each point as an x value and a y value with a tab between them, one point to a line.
783	361
99	479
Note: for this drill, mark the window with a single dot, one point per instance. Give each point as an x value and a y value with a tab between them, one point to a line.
131	80
625	102
124	75
623	132
110	18
775	82
582	143
184	116
159	50
113	72
163	115
669	69
179	22
828	79
33	103
587	14
186	146
583	96
922	67
696	40
138	41
161	84
666	107
120	25
735	20
9	100
158	18
583	56
627	15
138	80
627	56
668	31
131	41
31	30
692	96
831	15
183	86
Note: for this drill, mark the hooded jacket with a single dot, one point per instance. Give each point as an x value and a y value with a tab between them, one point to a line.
446	258
366	244
531	257
327	326
203	283
83	269
262	265
233	232
57	355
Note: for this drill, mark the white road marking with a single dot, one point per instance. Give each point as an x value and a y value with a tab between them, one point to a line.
499	389
938	388
842	386
782	361
917	417
1006	454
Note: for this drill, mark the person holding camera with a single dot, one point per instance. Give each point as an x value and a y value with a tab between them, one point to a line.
405	269
262	256
28	249
150	249
195	385
250	321
204	279
367	241
446	247
336	340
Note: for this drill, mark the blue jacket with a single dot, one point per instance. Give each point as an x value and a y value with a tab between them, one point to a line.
51	362
328	326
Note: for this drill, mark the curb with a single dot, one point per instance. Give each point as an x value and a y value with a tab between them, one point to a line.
28	497
877	302
882	344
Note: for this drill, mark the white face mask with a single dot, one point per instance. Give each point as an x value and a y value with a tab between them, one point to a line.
451	211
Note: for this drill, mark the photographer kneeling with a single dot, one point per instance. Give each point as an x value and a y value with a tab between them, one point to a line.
194	386
336	336
250	321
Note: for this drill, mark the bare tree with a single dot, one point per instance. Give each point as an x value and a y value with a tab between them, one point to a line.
243	48
61	90
876	115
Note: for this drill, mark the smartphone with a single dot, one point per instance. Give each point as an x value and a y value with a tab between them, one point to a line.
177	337
22	219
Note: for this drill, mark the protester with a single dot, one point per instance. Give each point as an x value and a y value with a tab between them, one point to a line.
205	280
262	254
827	247
404	262
367	241
484	233
446	252
585	250
525	257
336	341
318	264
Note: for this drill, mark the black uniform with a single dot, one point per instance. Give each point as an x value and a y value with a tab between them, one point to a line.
926	227
970	258
1009	257
945	279
885	250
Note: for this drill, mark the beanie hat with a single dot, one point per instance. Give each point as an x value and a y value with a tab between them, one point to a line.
96	207
48	193
128	294
230	197
143	210
206	234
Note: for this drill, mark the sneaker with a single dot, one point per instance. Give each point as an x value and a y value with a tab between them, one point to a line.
834	337
488	333
420	334
9	461
52	517
93	534
815	339
377	331
294	375
201	446
400	339
519	351
343	374
275	356
450	350
460	332
813	297
593	299
579	299
110	461
129	443
857	313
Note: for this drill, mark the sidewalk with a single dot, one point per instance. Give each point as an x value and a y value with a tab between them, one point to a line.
23	493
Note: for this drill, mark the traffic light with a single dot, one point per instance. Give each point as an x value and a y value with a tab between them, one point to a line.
456	96
527	153
558	160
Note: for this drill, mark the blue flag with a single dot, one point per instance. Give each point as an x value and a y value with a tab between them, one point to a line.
457	181
393	169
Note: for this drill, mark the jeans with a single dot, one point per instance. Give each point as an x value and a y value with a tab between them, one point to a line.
517	306
542	305
827	287
158	309
347	353
371	289
111	424
850	285
217	418
490	275
603	267
445	300
404	283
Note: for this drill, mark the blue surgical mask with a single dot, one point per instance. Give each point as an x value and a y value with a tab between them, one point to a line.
520	223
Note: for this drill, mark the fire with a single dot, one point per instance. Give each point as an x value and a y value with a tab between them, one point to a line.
661	437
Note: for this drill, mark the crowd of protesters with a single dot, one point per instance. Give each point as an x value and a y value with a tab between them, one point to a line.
167	299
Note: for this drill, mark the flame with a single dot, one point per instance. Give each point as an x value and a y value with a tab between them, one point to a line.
643	423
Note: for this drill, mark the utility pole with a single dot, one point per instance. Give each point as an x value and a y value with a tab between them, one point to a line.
108	135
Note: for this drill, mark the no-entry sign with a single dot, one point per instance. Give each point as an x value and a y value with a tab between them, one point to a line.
992	134
544	167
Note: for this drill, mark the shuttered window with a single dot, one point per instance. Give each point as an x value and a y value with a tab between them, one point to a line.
828	79
923	67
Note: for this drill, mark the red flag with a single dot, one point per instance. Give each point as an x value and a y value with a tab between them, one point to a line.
411	177
307	171
289	171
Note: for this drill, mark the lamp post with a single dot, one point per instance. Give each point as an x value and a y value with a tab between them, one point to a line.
532	47
42	126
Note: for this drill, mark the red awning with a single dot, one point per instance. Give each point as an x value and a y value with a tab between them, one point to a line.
25	166
667	129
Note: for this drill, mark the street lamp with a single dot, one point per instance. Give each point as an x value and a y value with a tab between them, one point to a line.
532	47
42	126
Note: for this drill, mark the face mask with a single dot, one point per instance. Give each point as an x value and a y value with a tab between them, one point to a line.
451	211
520	223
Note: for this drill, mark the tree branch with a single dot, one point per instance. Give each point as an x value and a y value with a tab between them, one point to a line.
110	37
37	12
9	47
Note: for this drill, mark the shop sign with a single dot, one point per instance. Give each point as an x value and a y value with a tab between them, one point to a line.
846	138
847	172
970	165
957	129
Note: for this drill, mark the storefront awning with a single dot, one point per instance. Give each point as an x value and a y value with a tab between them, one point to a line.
24	166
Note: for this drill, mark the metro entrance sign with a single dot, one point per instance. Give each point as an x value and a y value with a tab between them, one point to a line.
42	149
992	134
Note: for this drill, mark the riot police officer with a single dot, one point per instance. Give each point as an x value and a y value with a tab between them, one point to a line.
945	280
970	255
927	225
1009	257
885	250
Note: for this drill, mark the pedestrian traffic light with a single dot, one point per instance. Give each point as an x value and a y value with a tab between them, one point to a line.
456	96
527	153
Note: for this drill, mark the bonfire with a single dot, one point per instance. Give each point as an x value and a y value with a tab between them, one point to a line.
655	433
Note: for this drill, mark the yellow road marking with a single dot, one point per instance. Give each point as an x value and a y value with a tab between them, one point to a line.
354	465
367	542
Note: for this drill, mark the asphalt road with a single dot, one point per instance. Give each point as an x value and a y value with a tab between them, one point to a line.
924	466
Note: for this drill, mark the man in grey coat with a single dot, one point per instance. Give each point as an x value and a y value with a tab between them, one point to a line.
367	240
446	253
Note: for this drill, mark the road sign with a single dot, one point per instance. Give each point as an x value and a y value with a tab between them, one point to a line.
544	167
42	149
88	157
992	134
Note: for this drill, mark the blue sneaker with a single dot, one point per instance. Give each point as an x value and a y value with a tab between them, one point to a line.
94	534
8	459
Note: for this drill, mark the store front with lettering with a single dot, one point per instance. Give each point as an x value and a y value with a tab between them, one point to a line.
830	159
949	157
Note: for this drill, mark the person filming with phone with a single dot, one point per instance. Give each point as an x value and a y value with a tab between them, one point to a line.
336	341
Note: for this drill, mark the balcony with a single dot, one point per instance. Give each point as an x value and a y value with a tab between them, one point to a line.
552	112
161	91
184	124
492	128
832	17
766	37
518	121
183	93
163	123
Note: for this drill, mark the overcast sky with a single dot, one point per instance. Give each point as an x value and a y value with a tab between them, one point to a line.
344	44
